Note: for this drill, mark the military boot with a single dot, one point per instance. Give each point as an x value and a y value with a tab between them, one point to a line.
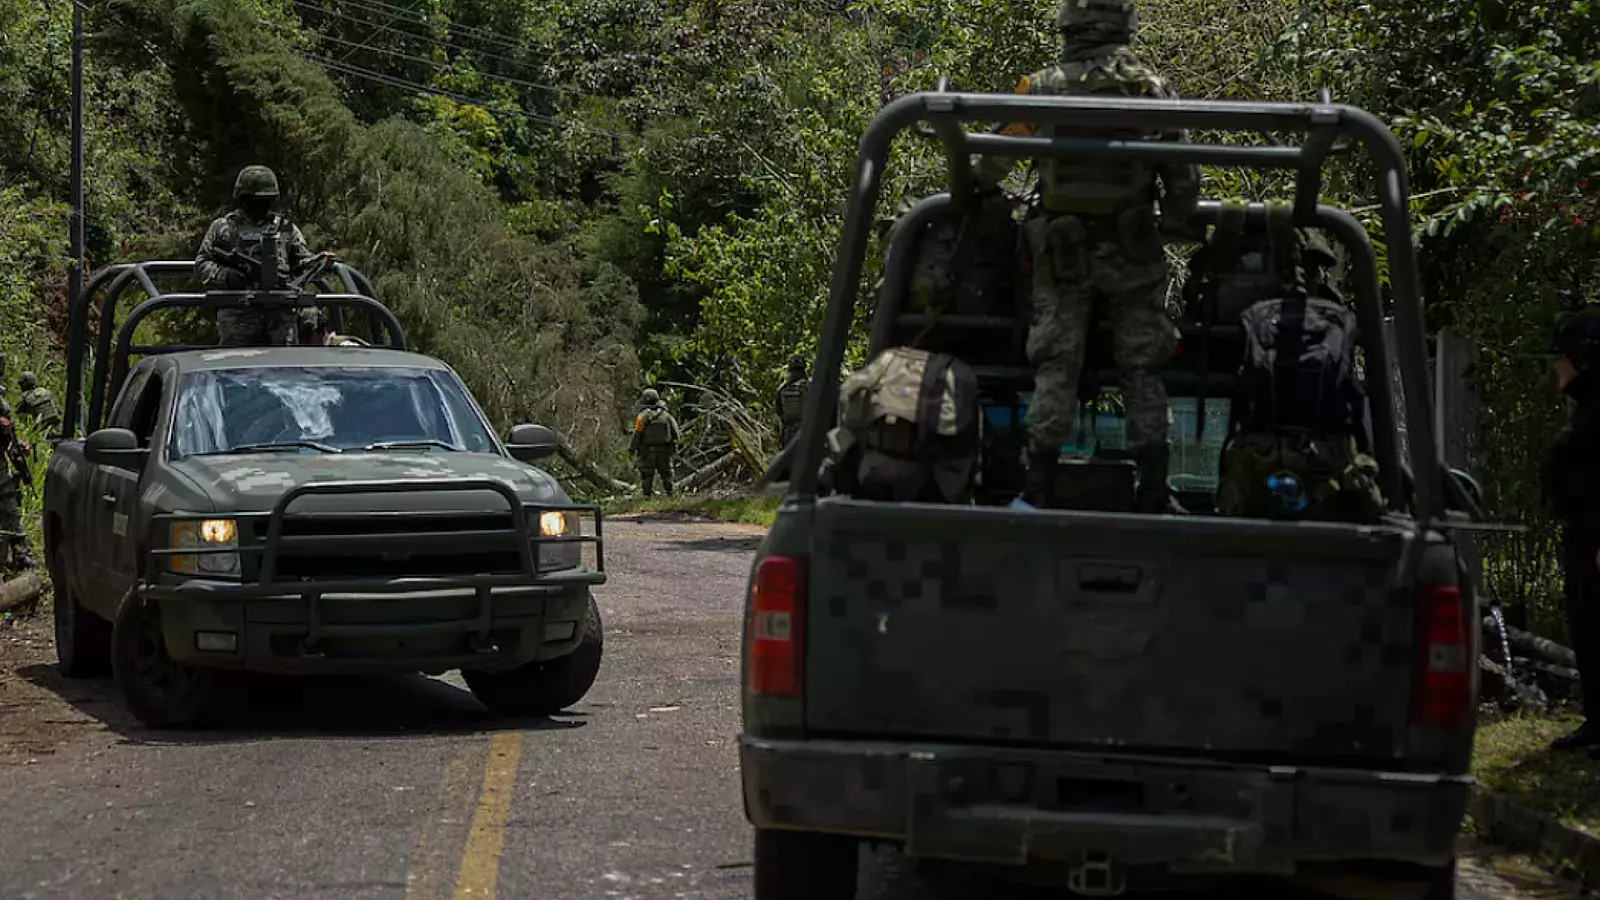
1154	496
1038	486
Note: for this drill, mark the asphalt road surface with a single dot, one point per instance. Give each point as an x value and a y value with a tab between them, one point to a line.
404	788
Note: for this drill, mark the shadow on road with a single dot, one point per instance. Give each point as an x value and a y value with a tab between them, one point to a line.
740	544
266	708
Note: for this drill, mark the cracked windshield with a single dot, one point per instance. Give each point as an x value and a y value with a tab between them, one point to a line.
799	449
324	409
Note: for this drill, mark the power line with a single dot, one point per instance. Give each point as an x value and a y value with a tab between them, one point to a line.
405	84
421	19
430	62
303	4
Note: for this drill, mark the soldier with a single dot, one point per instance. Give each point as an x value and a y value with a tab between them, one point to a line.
229	260
792	401
38	402
1096	247
13	468
1572	487
655	437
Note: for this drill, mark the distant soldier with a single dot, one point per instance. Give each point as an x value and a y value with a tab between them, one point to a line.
1572	488
1097	249
229	260
792	401
13	468
38	403
655	439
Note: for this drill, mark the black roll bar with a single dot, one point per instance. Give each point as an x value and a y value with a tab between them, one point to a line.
1321	122
113	345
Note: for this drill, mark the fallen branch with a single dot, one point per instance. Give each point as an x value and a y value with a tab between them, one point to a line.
22	589
706	474
1550	669
594	476
1531	645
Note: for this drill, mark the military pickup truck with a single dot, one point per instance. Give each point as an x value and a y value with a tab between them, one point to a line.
1109	701
305	509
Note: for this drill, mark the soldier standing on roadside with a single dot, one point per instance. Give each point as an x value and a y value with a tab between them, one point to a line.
1097	247
38	402
13	468
1572	487
655	439
792	401
230	254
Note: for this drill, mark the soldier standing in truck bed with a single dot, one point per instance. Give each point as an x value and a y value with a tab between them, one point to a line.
232	248
1096	248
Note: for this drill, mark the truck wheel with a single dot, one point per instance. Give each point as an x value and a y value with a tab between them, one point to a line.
83	639
544	687
159	692
803	865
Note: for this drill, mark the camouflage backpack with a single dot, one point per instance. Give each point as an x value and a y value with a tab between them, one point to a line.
657	430
908	430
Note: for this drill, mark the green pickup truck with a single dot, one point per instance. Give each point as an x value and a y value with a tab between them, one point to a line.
305	509
1109	701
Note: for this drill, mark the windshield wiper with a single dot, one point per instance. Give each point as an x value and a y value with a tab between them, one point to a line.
277	445
399	445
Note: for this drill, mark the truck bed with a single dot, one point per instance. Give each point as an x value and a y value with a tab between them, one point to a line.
1224	637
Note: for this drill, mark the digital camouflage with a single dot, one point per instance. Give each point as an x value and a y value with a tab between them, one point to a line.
1340	482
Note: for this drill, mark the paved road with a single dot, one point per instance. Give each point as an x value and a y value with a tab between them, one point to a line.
403	788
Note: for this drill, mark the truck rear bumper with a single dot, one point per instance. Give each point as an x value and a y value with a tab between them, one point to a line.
1013	807
427	630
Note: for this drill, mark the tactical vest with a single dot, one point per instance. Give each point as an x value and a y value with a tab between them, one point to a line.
249	239
657	428
41	404
792	400
1097	187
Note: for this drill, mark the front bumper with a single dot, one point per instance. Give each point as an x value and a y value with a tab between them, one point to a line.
1015	807
431	630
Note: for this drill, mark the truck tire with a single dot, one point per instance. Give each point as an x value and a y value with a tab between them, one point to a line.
160	692
803	865
547	686
83	639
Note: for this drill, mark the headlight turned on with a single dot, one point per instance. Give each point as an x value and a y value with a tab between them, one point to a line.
205	534
563	555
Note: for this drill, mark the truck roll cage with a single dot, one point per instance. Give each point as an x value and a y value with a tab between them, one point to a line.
939	115
115	341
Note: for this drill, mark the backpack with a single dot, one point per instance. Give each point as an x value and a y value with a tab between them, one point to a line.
657	430
908	430
1300	369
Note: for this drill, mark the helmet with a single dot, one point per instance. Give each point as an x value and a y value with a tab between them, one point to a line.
255	181
1577	336
1111	17
651	396
28	381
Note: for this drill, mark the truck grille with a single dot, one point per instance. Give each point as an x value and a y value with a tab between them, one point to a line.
401	546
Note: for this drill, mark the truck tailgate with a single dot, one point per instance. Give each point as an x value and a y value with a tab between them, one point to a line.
1086	629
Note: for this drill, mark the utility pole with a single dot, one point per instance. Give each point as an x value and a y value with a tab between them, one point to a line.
75	271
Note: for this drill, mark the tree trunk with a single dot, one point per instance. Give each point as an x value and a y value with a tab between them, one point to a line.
1532	645
20	590
706	474
594	476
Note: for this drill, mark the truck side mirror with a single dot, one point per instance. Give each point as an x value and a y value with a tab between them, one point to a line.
115	447
530	443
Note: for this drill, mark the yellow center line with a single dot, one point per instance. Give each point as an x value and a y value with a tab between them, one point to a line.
445	818
480	862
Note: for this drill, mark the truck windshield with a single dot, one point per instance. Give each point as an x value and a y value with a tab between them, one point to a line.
324	410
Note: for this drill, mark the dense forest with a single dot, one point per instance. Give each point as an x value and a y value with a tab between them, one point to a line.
569	199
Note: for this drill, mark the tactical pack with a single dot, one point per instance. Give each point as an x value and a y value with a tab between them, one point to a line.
1295	475
908	430
966	263
657	431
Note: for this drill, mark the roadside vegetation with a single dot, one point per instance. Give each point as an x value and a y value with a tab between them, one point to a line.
1513	757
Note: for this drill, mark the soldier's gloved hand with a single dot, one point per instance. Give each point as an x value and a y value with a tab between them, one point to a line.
233	279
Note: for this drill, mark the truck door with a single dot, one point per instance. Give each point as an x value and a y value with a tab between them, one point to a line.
113	493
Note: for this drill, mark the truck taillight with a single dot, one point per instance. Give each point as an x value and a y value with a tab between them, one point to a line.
1444	699
776	626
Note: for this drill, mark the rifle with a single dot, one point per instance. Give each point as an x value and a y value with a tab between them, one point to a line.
16	452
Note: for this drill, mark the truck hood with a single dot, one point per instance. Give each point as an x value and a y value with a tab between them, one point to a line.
253	482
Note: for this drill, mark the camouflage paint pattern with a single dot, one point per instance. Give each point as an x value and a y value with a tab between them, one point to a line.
41	404
888	388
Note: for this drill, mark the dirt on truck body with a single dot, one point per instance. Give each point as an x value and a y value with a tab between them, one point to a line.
305	509
1111	700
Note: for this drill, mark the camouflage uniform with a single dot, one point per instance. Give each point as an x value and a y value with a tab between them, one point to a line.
241	230
792	401
16	541
1096	248
655	437
38	402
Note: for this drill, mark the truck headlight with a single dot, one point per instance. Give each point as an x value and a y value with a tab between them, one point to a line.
564	555
205	534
